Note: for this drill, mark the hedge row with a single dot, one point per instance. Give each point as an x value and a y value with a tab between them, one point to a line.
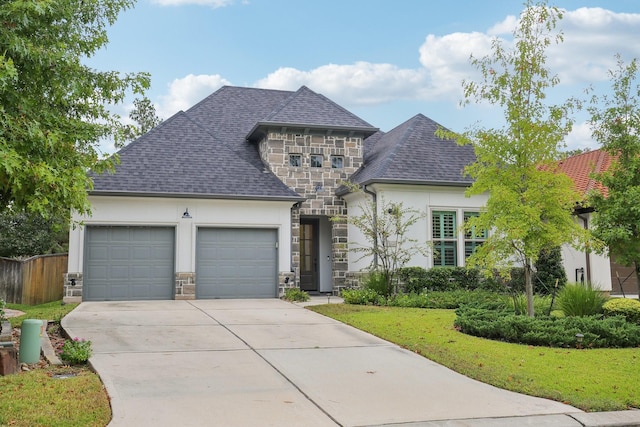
597	332
417	279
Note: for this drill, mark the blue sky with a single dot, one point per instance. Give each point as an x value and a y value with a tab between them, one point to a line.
385	60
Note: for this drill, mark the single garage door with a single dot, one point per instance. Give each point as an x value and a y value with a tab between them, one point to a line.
236	263
128	263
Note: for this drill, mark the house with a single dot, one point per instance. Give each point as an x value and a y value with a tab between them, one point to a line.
584	266
234	198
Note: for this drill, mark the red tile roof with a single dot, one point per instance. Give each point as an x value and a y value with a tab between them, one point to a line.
581	166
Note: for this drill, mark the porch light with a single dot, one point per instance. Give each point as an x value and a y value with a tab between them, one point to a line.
186	214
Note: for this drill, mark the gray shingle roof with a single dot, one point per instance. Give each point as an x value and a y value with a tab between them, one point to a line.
412	153
180	158
206	151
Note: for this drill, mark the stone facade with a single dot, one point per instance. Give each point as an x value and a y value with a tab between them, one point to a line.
322	162
72	287
185	286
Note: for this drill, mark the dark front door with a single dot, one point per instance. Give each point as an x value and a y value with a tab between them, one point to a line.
309	254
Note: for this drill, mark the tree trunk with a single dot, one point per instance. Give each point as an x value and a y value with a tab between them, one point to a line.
528	280
637	267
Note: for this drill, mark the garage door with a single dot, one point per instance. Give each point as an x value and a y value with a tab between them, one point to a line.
128	263
236	263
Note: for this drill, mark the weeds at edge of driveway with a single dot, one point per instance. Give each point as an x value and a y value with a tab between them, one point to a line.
592	380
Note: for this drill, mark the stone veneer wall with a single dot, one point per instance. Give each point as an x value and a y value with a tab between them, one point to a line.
185	286
72	287
317	185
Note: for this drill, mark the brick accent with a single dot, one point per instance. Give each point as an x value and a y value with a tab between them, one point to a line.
185	286
316	184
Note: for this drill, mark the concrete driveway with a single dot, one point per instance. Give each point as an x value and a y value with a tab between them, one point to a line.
273	363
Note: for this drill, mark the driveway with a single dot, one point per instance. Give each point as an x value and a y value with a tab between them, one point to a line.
272	363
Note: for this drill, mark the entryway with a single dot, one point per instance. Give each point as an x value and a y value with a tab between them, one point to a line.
315	254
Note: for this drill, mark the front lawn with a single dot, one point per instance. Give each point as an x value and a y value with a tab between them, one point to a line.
592	380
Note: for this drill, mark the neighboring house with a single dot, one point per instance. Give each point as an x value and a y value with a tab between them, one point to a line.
234	199
581	266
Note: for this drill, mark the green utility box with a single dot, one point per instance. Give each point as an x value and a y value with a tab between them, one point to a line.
31	333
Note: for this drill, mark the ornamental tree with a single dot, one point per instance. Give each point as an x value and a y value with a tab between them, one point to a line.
389	245
529	205
615	125
54	109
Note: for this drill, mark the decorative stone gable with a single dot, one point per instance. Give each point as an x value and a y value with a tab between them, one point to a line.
316	183
321	163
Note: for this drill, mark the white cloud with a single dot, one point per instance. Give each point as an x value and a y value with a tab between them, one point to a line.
580	137
592	36
362	83
212	3
185	92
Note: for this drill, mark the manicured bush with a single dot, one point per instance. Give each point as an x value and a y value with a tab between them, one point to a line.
548	331
578	299
296	294
412	279
362	297
417	279
629	308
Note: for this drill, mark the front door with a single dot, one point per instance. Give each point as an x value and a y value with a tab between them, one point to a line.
309	254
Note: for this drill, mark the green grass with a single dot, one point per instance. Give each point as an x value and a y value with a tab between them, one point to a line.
592	380
49	311
38	398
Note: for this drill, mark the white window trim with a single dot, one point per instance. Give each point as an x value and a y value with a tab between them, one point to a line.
460	240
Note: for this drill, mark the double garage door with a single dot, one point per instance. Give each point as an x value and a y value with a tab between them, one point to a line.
137	263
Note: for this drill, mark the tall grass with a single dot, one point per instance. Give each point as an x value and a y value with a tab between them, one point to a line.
577	299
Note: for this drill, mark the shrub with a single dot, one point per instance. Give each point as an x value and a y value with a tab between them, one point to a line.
2	314
629	308
541	304
296	294
549	268
577	299
412	279
76	351
377	281
362	297
548	331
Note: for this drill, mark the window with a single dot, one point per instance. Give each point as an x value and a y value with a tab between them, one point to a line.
295	160
474	237
445	238
316	160
337	162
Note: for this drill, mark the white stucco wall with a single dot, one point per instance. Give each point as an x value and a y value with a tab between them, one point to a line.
599	265
424	199
138	211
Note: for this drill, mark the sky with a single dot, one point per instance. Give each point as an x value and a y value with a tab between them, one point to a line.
384	60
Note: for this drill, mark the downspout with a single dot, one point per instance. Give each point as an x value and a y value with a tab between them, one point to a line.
374	199
585	220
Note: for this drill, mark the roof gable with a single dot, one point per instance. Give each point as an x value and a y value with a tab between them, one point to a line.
307	109
412	153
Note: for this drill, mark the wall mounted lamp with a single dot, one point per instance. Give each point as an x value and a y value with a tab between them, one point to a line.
186	214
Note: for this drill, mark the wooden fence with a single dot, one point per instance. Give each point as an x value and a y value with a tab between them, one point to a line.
32	281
